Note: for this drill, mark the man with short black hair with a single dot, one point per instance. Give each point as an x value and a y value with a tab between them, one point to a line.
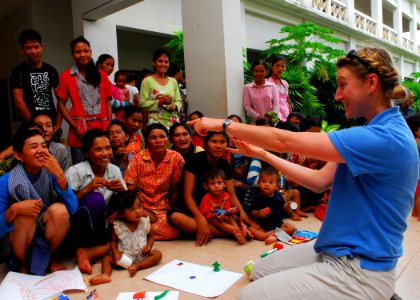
33	80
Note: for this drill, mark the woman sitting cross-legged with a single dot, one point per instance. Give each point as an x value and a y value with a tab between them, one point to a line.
187	216
94	182
35	204
155	173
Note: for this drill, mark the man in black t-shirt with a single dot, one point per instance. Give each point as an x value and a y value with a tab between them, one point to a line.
33	80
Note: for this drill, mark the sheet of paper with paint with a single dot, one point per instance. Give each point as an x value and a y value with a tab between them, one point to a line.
171	295
22	286
193	278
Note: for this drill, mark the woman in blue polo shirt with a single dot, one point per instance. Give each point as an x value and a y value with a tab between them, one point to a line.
373	172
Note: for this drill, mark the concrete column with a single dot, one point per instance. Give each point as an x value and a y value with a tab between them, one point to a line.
413	25
400	66
398	21
89	20
95	31
213	56
352	45
376	8
350	13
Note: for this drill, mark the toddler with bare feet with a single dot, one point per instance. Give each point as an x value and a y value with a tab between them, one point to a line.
132	237
216	206
268	207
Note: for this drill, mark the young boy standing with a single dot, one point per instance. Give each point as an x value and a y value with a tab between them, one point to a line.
33	80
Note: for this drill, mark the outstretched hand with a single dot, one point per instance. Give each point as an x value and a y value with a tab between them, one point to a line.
203	125
246	149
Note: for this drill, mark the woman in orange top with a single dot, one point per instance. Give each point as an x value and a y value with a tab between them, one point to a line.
90	94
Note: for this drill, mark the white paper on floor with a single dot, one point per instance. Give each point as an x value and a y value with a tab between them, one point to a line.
193	278
172	295
23	286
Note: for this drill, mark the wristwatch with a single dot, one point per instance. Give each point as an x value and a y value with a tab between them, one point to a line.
226	123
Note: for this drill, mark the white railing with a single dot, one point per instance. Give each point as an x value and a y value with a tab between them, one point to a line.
320	5
389	34
334	8
408	44
338	10
365	23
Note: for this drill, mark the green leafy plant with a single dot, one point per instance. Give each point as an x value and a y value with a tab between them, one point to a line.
304	43
310	69
414	85
176	44
302	93
328	128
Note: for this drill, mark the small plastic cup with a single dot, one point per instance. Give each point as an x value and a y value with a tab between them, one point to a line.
125	261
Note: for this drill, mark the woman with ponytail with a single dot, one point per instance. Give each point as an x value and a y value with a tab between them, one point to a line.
373	170
90	93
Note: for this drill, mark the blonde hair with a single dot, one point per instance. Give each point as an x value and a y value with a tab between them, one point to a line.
378	61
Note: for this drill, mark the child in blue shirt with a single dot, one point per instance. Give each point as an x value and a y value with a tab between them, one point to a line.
268	208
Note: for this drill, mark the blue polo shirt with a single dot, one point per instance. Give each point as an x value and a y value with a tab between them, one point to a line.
372	193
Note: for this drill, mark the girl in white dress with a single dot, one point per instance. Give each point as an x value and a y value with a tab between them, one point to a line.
131	237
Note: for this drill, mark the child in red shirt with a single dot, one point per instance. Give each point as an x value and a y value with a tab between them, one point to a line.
216	206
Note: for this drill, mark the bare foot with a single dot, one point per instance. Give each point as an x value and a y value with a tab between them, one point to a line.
239	236
100	279
301	213
132	270
245	231
83	261
56	266
271	239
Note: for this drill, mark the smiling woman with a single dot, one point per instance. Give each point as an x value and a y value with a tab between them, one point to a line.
90	94
94	182
159	94
28	201
373	170
181	139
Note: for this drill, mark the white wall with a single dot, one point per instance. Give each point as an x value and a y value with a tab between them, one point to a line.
135	49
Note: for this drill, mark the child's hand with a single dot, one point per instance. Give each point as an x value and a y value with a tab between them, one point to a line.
233	210
152	216
112	217
146	250
127	95
116	256
264	212
122	151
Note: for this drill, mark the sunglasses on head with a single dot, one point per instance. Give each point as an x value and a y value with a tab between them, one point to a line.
353	55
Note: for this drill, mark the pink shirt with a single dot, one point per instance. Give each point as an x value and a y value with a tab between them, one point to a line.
259	100
283	89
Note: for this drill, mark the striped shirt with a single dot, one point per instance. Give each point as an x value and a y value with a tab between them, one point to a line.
260	100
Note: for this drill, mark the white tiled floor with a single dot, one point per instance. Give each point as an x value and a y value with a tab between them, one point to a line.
232	257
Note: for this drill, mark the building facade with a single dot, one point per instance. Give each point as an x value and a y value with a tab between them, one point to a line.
215	32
